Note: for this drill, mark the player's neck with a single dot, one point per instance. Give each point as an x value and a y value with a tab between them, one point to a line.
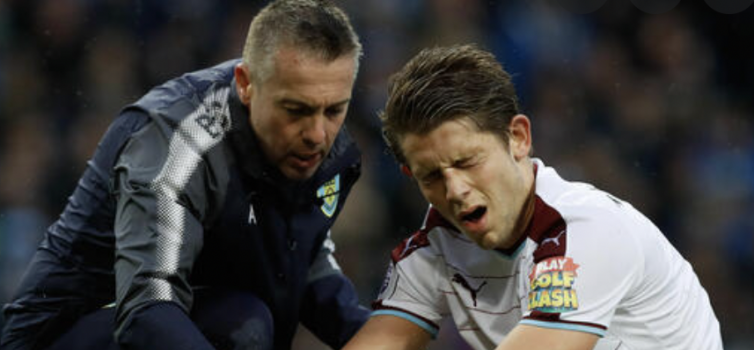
523	222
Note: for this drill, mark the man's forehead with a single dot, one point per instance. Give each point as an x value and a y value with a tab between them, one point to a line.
423	151
312	82
289	57
451	141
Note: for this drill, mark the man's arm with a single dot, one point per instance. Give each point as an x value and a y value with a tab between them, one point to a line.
331	307
157	240
539	338
386	332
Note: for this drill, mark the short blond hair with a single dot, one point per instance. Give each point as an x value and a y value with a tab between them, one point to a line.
317	27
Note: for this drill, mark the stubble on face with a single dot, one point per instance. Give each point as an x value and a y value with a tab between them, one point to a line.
298	111
474	180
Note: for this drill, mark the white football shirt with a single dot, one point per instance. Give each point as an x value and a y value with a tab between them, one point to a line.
589	263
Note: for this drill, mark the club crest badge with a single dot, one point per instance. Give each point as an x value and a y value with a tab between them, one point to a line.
329	194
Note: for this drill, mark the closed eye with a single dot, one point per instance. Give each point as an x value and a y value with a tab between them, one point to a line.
430	177
465	163
336	110
299	111
295	108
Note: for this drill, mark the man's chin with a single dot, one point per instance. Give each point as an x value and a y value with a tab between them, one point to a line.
487	245
485	241
299	174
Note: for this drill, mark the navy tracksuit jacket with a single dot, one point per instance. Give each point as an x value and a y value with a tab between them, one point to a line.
177	197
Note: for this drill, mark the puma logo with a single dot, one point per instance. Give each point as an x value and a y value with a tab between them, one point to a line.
457	278
555	239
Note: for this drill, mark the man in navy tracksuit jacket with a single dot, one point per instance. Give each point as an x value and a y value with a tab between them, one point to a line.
203	219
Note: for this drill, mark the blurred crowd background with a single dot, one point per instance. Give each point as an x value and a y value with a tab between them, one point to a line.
655	108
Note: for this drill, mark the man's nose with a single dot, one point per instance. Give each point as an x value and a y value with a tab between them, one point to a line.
456	188
314	133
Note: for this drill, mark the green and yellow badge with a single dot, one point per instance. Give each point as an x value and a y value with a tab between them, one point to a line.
329	193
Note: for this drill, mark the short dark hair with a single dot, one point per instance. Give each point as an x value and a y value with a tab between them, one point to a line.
447	83
318	27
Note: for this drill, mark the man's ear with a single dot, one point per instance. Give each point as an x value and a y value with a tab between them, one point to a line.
243	83
519	137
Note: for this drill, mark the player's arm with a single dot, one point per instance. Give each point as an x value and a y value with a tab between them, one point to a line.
410	305
387	332
539	338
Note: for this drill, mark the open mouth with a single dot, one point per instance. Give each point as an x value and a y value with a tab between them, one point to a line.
306	157
474	215
306	160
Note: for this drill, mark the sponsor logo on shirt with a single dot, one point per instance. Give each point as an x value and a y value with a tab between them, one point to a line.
329	195
551	285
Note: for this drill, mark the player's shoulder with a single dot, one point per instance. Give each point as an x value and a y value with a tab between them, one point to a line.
578	201
434	229
579	214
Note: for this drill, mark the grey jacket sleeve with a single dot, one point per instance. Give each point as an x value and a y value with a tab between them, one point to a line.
158	234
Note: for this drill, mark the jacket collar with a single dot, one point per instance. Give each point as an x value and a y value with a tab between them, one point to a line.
244	141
